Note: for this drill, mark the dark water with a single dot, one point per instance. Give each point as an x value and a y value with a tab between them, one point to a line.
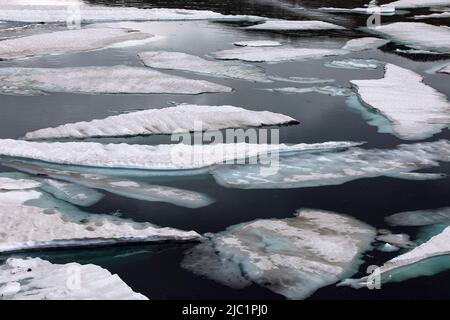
154	270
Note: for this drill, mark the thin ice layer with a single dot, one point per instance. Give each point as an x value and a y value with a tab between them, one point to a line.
428	258
187	62
353	64
159	157
71	192
30	220
294	25
334	167
120	186
293	257
99	80
179	119
417	35
329	90
420	217
67	41
37	279
415	110
258	43
404	4
365	43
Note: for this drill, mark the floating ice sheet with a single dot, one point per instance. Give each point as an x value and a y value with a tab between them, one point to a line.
354	64
293	257
66	41
294	25
17	181
334	167
187	62
37	279
161	157
72	193
420	217
303	80
120	186
329	90
417	35
445	69
416	110
365	43
30	220
58	13
98	80
179	119
275	54
258	43
382	10
426	259
404	4
440	15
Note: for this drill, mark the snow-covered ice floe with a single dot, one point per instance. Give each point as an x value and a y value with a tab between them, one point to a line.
37	279
294	25
66	41
405	4
415	110
329	90
100	80
31	219
417	35
187	62
440	15
73	193
354	64
334	167
123	187
160	157
87	14
365	43
179	119
285	53
293	257
275	54
426	259
420	217
258	43
382	10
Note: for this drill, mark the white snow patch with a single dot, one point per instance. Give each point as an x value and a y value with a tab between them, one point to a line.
294	25
98	80
416	110
258	43
37	279
179	119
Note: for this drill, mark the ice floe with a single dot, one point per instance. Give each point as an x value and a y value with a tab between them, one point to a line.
98	80
160	157
258	43
37	279
334	167
425	259
415	110
275	54
66	41
179	119
72	193
400	240
120	186
294	25
417	35
420	217
17	181
445	69
329	90
30	220
365	43
354	64
382	10
440	15
87	13
303	80
404	4
187	62
293	257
